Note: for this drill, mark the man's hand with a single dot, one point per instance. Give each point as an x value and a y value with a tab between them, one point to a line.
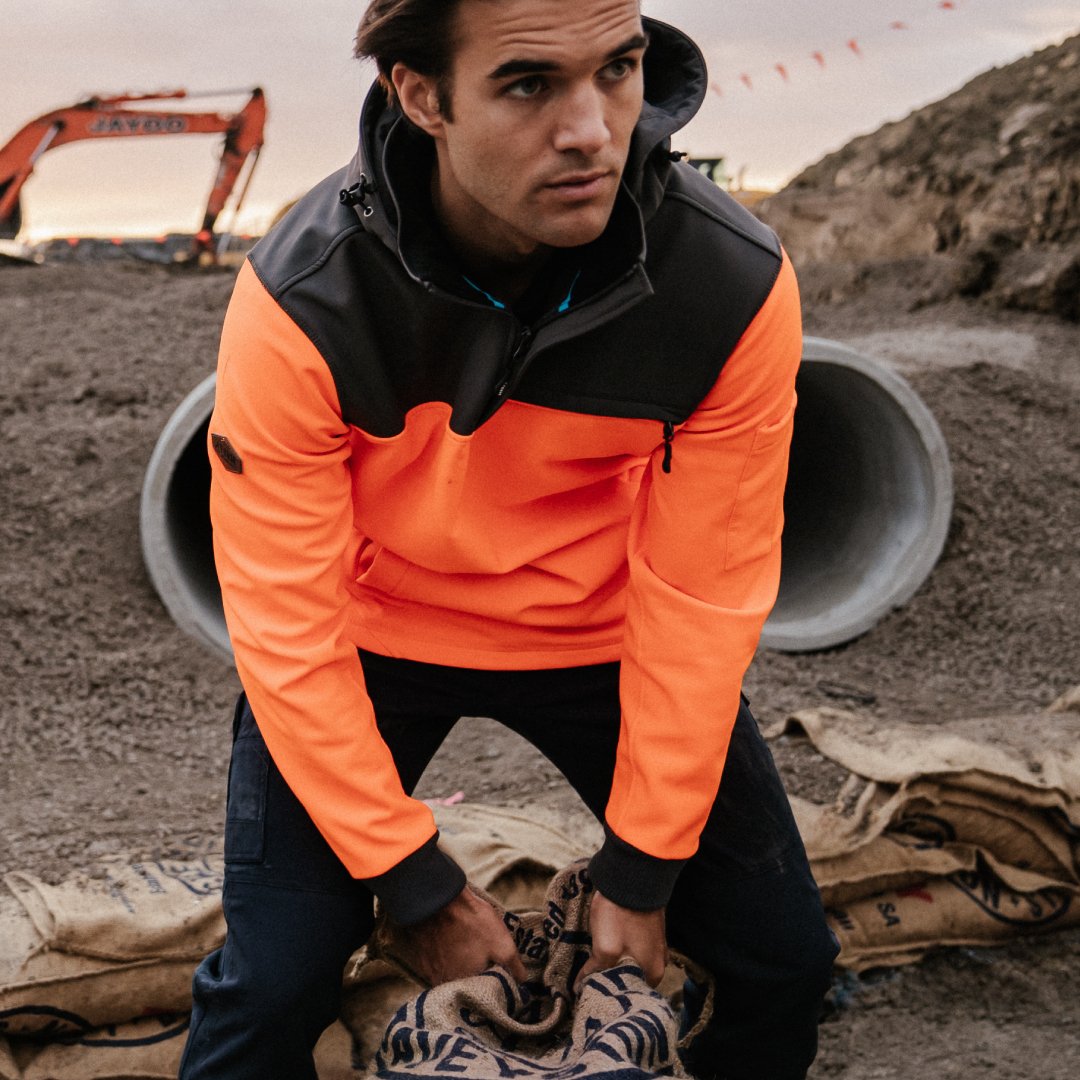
618	932
464	938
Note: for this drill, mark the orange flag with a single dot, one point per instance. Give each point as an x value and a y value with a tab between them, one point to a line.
853	45
819	57
745	80
782	70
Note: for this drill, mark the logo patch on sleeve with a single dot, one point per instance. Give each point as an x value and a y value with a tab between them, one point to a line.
227	453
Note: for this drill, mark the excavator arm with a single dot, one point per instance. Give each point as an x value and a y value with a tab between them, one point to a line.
110	118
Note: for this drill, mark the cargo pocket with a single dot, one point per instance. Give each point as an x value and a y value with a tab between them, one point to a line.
245	812
757	518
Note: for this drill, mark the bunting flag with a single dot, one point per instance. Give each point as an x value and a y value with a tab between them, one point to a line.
854	45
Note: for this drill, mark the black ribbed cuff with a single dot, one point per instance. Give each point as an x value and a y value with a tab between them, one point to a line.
421	884
630	878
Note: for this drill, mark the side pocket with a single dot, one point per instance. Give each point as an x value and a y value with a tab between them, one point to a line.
245	811
378	570
757	517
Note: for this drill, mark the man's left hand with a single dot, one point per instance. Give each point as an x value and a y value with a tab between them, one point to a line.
619	932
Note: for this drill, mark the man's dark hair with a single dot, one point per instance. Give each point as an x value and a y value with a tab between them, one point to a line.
416	33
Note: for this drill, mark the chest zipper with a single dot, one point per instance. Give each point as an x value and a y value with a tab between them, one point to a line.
669	434
520	349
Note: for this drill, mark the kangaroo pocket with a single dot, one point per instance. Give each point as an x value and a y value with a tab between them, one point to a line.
378	570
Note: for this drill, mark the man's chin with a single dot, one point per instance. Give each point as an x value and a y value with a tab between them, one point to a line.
577	229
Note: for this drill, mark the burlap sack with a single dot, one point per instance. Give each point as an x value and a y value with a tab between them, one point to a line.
1036	756
931	830
130	911
962	835
510	853
147	1049
9	1068
488	1027
102	950
963	908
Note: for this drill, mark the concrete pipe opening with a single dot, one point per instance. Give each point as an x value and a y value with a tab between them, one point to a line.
867	506
174	523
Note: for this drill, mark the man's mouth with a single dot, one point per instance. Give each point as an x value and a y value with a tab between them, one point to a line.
579	186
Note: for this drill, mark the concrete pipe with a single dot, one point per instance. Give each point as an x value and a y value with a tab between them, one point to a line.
868	500
867	506
174	523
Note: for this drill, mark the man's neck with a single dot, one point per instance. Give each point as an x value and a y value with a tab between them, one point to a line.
505	272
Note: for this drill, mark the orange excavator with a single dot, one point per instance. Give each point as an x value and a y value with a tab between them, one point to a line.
111	117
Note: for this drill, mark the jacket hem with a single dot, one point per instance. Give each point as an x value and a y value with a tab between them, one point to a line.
526	658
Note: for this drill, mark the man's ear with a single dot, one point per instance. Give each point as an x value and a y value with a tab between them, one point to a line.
419	100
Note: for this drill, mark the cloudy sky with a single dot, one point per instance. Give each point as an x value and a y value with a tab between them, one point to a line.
766	122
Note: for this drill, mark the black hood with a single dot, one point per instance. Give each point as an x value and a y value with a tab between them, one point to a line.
391	153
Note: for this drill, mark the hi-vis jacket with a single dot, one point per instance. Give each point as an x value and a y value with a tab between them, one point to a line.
400	464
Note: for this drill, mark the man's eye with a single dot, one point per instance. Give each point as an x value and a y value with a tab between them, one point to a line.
528	87
620	69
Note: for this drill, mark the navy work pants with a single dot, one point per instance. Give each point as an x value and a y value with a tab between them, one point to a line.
745	906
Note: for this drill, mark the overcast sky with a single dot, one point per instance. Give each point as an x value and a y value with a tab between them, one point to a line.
55	52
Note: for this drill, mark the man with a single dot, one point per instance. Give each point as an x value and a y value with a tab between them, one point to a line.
501	429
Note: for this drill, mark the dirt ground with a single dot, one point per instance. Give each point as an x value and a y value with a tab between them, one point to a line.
115	725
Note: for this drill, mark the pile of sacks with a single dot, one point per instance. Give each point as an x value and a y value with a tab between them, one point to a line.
965	834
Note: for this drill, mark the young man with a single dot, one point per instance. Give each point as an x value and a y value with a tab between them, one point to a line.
502	426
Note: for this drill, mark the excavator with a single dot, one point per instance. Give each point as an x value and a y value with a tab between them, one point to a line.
112	117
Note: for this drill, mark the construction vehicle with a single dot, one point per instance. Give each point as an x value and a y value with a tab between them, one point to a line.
111	117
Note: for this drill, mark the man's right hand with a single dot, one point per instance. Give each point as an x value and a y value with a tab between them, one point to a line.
464	938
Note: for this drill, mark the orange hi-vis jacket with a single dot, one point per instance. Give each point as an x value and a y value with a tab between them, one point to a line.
401	464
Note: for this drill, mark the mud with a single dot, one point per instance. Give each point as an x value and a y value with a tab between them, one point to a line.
116	726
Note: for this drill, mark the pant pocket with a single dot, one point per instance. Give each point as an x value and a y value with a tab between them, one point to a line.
245	813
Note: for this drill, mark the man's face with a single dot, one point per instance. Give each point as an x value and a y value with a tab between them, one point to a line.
545	95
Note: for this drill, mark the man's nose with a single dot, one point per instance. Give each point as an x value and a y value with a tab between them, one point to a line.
582	122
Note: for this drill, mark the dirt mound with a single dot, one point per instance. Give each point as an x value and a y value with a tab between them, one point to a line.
985	185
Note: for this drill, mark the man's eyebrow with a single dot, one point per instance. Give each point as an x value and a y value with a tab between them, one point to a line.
638	41
539	67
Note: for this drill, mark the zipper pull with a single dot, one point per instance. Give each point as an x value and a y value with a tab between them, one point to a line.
523	343
669	434
519	349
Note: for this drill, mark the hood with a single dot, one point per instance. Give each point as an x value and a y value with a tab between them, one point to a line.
388	165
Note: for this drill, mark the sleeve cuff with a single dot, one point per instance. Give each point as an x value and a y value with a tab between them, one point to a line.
630	878
418	886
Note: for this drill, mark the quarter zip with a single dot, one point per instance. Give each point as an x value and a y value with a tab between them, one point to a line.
514	367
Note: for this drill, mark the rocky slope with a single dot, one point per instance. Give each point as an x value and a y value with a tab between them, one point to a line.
981	188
